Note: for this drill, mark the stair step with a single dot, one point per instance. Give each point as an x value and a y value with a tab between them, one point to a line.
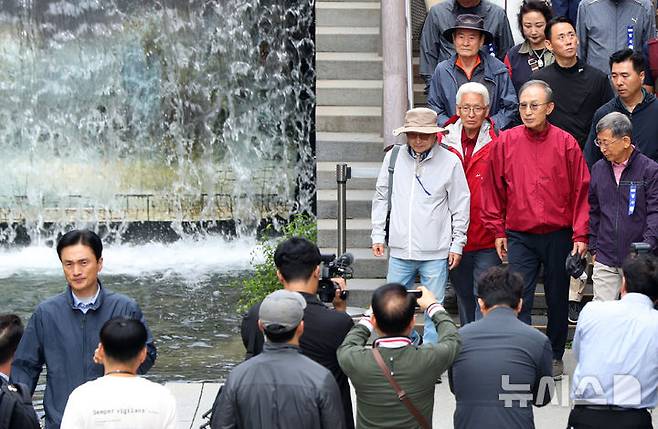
357	234
348	65
347	39
349	92
326	174
358	203
348	118
346	147
348	13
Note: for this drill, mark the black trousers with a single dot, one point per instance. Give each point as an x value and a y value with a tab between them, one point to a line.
583	418
526	252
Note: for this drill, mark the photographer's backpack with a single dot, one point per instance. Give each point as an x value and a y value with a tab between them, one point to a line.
16	405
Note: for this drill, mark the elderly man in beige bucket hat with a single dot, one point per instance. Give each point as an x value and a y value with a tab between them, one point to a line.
423	198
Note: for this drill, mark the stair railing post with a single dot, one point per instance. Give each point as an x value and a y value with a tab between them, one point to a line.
342	175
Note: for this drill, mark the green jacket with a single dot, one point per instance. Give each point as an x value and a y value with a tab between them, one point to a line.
416	369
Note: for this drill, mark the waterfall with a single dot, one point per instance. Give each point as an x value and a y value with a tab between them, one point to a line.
189	113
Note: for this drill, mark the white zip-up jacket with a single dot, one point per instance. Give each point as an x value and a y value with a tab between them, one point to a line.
430	205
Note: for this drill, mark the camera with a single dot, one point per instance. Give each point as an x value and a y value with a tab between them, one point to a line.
640	248
332	267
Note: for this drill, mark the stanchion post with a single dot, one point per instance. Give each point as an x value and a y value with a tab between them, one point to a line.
343	173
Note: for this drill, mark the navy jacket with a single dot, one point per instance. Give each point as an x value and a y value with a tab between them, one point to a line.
611	228
64	339
645	127
503	103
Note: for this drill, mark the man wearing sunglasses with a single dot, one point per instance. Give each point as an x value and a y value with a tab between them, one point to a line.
534	199
623	198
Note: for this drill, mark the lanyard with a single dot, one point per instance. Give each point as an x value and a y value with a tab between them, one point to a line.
631	198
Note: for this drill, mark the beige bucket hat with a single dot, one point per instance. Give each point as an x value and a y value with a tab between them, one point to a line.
419	120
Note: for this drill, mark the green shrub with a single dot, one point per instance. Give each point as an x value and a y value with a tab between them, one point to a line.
263	281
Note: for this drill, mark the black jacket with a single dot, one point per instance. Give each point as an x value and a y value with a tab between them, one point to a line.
645	127
16	411
279	388
324	331
578	92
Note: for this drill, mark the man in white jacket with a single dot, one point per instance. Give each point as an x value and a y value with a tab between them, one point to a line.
429	209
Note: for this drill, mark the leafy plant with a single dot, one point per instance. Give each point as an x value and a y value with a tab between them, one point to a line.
263	281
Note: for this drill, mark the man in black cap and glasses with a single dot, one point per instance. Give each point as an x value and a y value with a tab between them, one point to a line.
470	64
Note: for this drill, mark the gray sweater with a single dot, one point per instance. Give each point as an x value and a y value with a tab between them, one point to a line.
603	27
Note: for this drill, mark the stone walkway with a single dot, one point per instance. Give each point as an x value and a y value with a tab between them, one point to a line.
194	399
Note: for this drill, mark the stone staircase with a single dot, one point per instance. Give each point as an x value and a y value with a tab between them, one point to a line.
348	129
348	124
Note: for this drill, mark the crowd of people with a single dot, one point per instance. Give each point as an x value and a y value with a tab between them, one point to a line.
541	154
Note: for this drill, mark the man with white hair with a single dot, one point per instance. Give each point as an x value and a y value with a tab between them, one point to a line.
422	187
623	199
470	133
535	202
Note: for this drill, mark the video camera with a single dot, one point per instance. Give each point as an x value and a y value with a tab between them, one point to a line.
332	267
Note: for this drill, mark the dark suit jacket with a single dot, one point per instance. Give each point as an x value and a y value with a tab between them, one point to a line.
499	352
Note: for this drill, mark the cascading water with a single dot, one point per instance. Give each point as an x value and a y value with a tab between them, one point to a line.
182	111
187	113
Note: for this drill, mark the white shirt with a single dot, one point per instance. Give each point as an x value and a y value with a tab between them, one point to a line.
616	346
117	402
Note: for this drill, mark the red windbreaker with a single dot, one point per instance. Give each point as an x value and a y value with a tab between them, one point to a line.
537	183
478	237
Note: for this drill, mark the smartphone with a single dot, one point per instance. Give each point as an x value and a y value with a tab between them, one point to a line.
415	292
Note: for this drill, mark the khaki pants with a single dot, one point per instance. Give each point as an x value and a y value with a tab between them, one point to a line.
607	282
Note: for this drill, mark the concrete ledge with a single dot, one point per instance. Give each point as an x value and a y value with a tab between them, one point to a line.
349	65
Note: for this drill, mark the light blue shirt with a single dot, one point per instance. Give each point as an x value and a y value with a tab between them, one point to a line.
616	347
85	304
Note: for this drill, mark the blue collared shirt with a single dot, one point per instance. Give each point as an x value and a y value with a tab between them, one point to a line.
616	346
85	305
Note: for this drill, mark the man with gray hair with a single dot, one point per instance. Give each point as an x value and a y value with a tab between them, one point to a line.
623	199
280	387
535	202
470	134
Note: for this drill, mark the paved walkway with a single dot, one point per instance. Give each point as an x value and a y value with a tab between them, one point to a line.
194	399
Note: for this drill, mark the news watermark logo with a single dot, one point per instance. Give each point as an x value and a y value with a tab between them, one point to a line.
624	390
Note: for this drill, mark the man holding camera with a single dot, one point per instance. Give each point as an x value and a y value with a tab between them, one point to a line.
422	186
623	200
382	374
298	269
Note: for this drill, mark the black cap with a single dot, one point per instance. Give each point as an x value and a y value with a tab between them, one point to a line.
468	21
575	265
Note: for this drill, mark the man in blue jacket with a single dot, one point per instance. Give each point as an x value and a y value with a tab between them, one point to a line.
63	332
627	75
623	199
469	64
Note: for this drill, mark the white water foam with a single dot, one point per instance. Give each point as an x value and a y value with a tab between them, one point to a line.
187	258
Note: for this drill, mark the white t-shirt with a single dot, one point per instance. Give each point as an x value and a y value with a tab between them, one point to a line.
117	402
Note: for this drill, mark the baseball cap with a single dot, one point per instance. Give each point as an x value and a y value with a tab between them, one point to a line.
281	311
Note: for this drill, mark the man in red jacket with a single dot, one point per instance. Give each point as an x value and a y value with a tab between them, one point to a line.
535	202
470	133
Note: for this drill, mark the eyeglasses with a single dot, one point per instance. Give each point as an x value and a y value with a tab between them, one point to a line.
533	106
472	109
564	36
604	144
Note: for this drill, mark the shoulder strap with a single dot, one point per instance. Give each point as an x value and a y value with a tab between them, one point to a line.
7	404
391	169
402	395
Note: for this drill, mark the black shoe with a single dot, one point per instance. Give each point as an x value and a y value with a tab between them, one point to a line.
574	311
